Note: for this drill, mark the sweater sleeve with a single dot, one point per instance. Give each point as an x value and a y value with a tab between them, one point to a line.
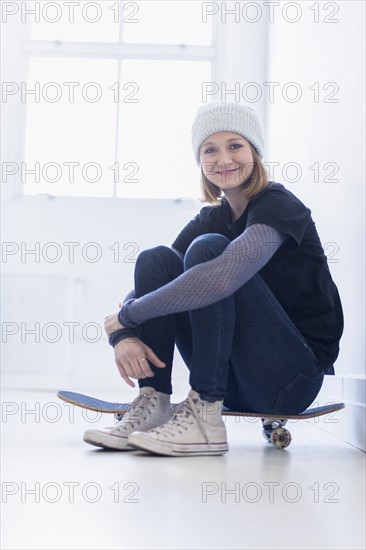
208	282
129	296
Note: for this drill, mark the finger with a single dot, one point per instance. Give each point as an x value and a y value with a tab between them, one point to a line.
129	370
124	373
124	376
111	325
146	369
136	369
154	358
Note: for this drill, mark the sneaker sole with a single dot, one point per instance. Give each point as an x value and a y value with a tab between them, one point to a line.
103	440
145	443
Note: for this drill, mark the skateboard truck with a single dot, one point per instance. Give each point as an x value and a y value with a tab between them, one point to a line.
274	432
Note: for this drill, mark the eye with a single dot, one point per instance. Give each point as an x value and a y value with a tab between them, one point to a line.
209	150
236	145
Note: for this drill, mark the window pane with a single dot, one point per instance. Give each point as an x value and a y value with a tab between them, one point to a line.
81	21
73	129
155	153
162	22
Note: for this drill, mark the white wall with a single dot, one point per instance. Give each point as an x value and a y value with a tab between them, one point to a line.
308	132
304	132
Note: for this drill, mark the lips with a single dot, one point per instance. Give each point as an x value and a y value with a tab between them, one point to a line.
224	172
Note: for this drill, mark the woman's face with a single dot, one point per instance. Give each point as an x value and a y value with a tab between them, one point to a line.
226	159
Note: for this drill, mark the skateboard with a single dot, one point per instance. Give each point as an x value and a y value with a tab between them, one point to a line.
273	424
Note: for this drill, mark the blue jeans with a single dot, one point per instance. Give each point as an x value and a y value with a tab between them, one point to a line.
243	349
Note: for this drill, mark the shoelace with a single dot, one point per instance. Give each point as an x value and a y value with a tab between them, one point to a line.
138	406
182	418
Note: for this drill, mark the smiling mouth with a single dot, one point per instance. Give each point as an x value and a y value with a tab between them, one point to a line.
227	171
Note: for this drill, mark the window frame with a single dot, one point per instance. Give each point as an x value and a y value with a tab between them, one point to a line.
118	51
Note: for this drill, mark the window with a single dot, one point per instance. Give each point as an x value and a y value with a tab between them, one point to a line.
111	102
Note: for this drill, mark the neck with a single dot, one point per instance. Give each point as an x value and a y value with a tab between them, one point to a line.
237	202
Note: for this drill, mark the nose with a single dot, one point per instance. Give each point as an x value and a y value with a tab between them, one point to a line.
224	158
224	155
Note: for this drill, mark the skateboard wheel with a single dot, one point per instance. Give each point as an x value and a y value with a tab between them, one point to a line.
280	438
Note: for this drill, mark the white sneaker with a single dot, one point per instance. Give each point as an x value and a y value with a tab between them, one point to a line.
195	429
150	409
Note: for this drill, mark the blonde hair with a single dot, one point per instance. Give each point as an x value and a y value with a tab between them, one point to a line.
256	182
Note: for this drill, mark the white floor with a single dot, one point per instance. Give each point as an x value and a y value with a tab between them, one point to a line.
60	493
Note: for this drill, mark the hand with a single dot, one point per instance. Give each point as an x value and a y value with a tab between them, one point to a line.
128	354
111	324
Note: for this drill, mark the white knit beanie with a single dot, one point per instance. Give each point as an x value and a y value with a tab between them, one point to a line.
216	116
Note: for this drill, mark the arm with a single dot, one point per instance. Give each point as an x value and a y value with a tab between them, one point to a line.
210	281
132	293
129	296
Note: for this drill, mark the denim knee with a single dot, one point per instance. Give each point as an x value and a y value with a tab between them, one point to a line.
150	254
204	248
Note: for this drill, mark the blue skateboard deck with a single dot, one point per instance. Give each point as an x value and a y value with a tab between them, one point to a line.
99	405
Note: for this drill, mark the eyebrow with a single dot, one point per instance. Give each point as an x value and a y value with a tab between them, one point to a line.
212	143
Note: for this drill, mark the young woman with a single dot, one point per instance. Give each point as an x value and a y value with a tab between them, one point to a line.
245	294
